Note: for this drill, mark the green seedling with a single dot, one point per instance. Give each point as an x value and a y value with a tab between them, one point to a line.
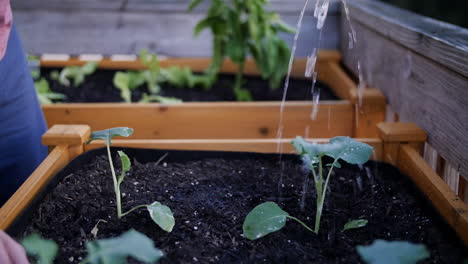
343	148
354	224
43	250
243	27
126	82
34	66
160	99
183	77
152	75
116	250
159	213
76	73
393	252
44	94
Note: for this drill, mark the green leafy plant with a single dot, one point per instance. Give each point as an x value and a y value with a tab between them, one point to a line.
43	250
339	148
159	213
344	148
44	94
76	73
393	252
353	224
243	27
126	82
116	250
183	77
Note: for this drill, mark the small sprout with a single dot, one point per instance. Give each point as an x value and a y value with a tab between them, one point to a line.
159	213
43	249
353	224
183	77
116	250
266	218
77	73
44	94
393	252
126	82
345	148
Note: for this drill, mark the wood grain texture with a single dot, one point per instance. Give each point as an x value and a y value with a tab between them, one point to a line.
56	160
442	42
76	27
209	120
248	145
419	89
66	134
449	205
401	132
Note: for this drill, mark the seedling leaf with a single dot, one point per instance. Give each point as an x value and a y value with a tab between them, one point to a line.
162	216
393	252
264	219
108	134
353	224
116	250
126	164
43	249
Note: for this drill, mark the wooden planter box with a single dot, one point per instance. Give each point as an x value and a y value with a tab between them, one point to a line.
398	143
229	120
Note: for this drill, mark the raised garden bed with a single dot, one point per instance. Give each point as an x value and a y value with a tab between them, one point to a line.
362	119
211	192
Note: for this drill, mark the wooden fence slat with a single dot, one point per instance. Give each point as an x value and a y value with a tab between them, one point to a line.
449	205
419	89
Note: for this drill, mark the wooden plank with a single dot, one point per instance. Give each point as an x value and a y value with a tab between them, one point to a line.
248	145
442	42
209	120
419	89
401	132
449	205
83	31
66	134
56	160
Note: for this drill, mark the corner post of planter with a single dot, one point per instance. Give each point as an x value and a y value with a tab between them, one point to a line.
72	136
370	109
394	135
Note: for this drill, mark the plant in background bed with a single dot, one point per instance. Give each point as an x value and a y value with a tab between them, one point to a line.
77	73
44	94
269	217
161	214
243	27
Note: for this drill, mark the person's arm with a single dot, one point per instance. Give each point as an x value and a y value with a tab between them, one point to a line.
6	20
10	251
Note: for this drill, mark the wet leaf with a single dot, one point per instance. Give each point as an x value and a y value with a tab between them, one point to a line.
162	216
355	224
116	250
345	148
264	219
393	252
108	134
126	164
43	249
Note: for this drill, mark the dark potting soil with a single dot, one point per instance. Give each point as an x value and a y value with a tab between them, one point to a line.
210	194
99	88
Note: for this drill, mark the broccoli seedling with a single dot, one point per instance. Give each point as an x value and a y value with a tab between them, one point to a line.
159	213
273	218
126	82
44	94
77	73
243	27
43	250
393	252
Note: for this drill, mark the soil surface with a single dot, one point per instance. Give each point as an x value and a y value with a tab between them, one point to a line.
98	87
210	195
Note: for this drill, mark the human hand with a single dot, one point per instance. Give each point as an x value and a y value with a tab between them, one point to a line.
10	251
